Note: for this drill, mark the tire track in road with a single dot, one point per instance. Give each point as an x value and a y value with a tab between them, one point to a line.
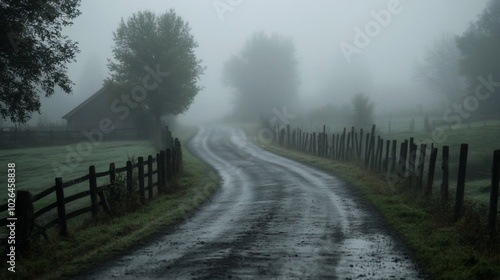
272	218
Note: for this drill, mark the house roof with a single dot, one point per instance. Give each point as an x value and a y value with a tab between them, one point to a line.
84	103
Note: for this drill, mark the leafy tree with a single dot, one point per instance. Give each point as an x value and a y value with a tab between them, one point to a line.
33	53
480	47
363	111
264	75
439	69
158	53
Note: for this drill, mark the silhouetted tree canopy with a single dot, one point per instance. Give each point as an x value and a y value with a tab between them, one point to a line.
480	47
33	53
363	111
264	75
439	69
155	63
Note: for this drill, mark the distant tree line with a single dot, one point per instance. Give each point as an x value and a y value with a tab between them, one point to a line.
457	67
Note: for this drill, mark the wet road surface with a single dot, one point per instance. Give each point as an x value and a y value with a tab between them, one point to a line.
272	218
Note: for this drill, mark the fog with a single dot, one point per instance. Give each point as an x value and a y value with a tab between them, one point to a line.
383	69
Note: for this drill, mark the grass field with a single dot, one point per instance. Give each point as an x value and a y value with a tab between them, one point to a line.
37	168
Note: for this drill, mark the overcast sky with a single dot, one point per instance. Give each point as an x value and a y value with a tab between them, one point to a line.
317	27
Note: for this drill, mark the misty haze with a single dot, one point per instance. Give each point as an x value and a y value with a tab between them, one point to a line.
250	139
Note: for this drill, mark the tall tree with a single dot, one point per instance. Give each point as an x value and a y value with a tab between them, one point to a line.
157	52
480	47
33	53
363	111
264	75
439	69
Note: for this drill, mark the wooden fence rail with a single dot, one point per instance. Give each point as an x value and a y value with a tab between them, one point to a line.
168	167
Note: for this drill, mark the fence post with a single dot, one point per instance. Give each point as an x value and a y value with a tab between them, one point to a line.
360	148
129	177
386	161
446	171
413	158
61	207
174	162
402	160
393	155
169	167
319	141
348	146
162	171
299	139
430	175
367	149
341	146
158	172
303	145
323	141
282	137
288	136
93	191
302	139
374	161
337	146
150	177
179	157
332	150
381	141
351	154
25	218
314	142
462	165
492	217
356	145
112	174
421	165
325	145
140	174
344	144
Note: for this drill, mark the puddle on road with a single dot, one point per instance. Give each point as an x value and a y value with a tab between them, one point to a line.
374	257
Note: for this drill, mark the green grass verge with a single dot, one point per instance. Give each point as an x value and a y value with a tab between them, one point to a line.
444	249
92	242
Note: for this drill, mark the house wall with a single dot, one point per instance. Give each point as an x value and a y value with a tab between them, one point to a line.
89	116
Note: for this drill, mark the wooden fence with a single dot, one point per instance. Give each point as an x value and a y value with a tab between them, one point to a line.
407	163
148	173
16	138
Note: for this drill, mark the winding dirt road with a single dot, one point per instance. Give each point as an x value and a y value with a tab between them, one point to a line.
272	218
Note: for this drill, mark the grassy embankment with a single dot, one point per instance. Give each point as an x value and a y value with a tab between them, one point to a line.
446	250
90	242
